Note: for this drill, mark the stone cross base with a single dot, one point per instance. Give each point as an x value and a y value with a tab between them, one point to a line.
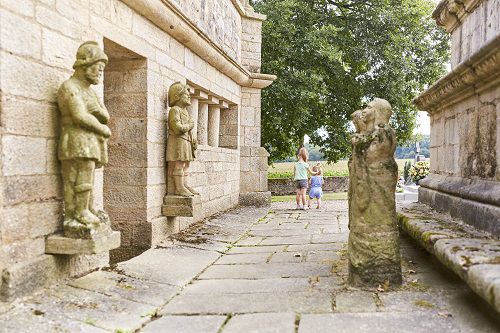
101	242
374	259
176	205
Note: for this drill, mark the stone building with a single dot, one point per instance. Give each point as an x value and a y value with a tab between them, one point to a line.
464	107
212	45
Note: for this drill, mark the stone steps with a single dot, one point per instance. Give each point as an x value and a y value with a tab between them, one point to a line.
472	254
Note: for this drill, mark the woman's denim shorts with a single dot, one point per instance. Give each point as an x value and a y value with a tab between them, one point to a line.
301	183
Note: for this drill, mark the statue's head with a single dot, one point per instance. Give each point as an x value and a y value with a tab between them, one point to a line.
383	111
90	60
356	120
178	94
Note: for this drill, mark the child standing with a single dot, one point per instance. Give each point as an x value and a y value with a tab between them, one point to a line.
301	171
316	182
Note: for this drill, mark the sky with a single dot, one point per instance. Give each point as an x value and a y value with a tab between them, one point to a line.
423	123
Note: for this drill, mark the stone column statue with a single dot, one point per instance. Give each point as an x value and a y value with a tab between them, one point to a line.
83	142
181	145
374	256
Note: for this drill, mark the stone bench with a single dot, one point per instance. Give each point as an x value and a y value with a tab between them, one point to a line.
472	254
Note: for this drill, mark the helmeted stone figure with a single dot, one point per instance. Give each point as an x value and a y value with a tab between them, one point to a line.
181	146
374	256
83	141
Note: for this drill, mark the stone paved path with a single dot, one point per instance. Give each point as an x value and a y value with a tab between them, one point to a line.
255	270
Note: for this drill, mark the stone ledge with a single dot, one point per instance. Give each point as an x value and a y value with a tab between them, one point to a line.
58	244
176	205
473	255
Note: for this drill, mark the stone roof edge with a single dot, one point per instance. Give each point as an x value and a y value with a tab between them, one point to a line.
167	17
451	13
248	11
478	73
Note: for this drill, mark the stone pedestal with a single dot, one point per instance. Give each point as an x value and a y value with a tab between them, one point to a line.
101	242
176	205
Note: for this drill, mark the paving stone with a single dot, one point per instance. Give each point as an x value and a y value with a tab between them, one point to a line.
242	286
408	301
322	256
261	323
102	311
175	266
287	240
355	301
330	238
185	324
122	286
315	247
285	257
245	258
249	241
284	232
257	249
302	302
377	323
256	271
27	320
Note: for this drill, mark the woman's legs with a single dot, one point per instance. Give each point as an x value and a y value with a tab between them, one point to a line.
297	197
303	196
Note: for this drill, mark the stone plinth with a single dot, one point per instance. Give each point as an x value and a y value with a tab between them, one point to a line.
103	242
176	205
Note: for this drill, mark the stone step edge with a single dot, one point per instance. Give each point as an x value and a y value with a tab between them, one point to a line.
482	276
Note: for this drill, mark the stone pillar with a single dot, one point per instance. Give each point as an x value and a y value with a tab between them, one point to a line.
213	125
193	112
202	123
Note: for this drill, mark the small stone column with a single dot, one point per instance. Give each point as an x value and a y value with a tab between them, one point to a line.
202	123
193	112
213	125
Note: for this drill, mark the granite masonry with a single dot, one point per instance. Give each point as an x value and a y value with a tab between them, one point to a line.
213	46
464	107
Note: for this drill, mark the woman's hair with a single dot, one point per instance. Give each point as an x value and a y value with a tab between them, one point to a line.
317	168
303	153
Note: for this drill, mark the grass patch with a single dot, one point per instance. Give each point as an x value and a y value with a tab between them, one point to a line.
326	197
424	304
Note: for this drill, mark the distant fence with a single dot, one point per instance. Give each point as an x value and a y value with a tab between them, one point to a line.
286	186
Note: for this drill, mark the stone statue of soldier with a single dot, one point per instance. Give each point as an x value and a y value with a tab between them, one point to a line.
83	141
181	145
374	256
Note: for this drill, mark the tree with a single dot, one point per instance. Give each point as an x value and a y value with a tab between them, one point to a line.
333	56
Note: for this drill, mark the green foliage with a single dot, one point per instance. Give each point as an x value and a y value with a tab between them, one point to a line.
408	150
332	56
406	170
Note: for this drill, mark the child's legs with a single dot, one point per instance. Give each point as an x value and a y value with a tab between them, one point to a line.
319	202
303	195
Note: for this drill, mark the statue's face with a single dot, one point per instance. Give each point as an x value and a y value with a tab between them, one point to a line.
185	97
93	73
368	114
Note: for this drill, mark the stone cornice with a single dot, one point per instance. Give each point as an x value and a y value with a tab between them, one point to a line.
247	11
478	73
451	13
170	19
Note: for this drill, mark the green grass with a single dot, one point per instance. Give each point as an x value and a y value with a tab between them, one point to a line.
339	169
326	196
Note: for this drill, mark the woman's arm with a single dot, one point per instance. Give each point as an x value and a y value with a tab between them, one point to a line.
311	172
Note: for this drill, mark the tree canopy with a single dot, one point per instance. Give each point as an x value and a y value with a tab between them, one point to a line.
333	56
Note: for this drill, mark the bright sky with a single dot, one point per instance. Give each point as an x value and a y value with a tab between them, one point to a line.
423	123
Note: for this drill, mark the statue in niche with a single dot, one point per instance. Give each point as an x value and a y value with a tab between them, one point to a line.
181	145
374	256
83	142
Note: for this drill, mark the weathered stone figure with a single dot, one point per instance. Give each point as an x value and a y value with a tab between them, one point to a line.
83	141
181	146
374	256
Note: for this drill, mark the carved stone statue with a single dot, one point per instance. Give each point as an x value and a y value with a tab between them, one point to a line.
83	141
374	256
181	146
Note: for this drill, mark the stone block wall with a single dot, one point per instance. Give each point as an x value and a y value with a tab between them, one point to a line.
152	44
464	107
285	186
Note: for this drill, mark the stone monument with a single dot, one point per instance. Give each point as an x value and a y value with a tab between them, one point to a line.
82	149
374	256
181	199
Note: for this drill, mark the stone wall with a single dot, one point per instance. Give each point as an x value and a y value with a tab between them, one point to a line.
151	44
464	107
286	186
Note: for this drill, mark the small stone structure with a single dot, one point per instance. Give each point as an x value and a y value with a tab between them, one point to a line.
464	107
286	186
213	46
373	247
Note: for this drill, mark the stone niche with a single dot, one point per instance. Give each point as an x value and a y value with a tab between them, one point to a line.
464	107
